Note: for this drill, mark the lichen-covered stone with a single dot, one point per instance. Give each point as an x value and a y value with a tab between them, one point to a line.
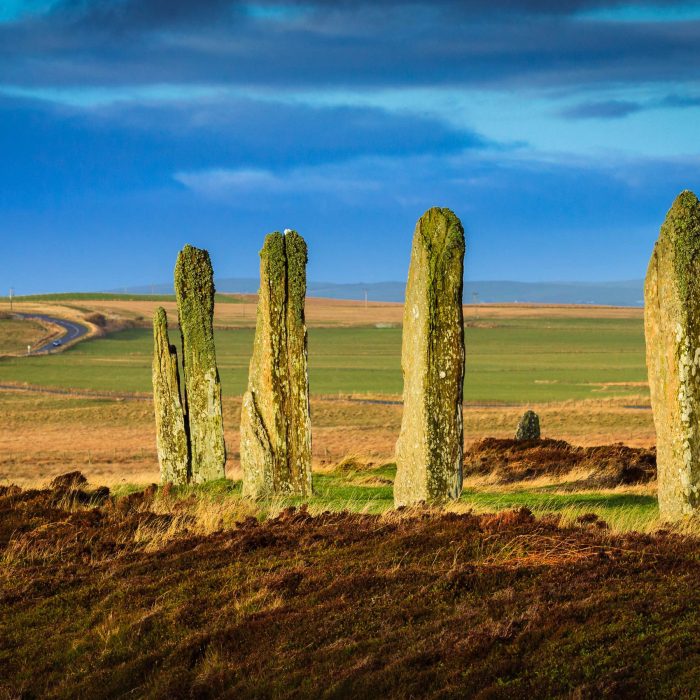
171	434
672	329
528	427
194	288
430	445
275	419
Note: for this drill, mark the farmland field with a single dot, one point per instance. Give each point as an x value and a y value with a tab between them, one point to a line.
512	361
581	368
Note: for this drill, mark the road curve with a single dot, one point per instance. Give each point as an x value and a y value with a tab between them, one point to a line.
73	331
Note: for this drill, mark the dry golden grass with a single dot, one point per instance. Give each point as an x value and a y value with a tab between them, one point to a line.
497	311
328	312
113	441
319	312
16	334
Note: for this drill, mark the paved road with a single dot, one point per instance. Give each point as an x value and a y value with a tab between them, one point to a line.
72	331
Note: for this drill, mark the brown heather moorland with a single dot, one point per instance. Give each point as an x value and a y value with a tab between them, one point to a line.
107	597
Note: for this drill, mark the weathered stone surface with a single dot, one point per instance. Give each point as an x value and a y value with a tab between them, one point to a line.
194	288
430	444
528	427
275	419
171	435
672	329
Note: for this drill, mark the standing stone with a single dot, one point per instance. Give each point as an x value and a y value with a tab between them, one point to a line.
672	329
430	445
194	289
171	435
275	420
528	427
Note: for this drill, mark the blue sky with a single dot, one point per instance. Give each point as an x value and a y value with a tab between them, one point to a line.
559	131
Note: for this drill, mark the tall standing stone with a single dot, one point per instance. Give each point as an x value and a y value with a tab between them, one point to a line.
171	434
194	289
275	420
672	329
430	445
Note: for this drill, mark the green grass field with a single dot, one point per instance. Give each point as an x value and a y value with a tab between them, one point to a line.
519	361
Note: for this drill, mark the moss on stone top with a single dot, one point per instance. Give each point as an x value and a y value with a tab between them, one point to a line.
297	257
273	256
285	257
160	319
194	280
442	233
682	229
443	238
194	289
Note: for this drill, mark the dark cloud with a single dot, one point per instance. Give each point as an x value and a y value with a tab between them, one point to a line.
681	101
139	14
611	109
618	109
536	43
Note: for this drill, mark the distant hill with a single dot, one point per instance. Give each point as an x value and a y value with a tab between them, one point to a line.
625	293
